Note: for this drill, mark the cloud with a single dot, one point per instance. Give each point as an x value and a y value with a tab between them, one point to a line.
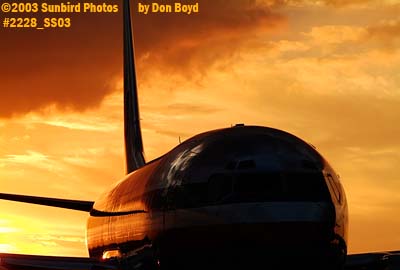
44	234
358	3
71	68
346	2
386	34
75	68
335	34
334	3
178	108
191	44
30	157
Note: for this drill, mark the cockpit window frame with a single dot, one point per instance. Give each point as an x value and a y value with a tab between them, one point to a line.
335	188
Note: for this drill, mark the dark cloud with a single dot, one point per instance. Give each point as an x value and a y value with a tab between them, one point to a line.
75	68
70	68
190	44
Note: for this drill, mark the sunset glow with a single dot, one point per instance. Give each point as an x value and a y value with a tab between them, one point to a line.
327	71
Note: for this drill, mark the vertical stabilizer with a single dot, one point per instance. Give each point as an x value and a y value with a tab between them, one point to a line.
133	135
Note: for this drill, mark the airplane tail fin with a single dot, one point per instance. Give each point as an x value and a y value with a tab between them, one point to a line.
133	136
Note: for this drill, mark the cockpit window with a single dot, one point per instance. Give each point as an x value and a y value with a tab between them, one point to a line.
224	188
335	188
258	187
293	186
219	187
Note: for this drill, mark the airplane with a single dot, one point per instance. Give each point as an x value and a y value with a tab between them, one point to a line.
235	197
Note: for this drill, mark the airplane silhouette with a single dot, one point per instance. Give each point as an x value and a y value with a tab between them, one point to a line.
236	197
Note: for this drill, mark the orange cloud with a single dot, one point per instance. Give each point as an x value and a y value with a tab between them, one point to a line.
335	3
76	68
387	33
191	44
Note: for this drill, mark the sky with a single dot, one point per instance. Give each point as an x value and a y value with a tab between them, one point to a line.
327	71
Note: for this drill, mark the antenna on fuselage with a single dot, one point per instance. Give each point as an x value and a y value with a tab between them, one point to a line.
133	136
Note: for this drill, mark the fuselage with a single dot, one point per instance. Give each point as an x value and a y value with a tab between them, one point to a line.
243	190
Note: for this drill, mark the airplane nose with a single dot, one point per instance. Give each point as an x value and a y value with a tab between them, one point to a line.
249	238
288	223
